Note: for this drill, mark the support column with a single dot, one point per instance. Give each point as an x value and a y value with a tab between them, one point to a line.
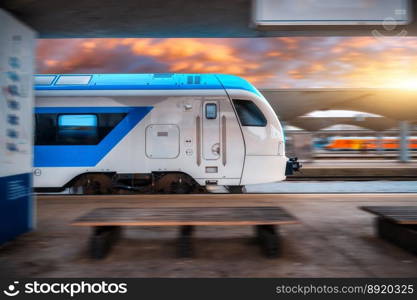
404	133
379	143
17	44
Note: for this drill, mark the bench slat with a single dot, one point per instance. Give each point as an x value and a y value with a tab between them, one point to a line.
398	214
173	216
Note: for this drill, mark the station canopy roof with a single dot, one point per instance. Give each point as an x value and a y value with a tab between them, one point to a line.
181	18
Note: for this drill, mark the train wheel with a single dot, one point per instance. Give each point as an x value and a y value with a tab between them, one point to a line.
181	188
173	183
94	184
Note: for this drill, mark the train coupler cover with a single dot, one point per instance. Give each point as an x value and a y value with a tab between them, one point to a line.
293	165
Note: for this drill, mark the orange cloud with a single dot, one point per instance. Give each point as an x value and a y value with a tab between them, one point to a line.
274	54
316	67
267	62
296	74
51	62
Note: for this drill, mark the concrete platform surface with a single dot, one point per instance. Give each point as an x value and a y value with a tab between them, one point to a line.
335	239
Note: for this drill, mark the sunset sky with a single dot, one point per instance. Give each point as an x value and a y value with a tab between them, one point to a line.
296	62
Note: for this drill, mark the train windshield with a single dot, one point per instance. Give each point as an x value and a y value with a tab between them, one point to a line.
249	114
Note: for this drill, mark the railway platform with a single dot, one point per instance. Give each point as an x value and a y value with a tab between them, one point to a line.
334	239
356	169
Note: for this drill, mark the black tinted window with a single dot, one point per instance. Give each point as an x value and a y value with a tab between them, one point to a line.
249	114
74	129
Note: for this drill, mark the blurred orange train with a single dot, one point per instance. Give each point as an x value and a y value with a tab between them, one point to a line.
368	143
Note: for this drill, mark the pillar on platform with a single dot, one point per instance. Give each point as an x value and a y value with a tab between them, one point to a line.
404	135
379	142
17	48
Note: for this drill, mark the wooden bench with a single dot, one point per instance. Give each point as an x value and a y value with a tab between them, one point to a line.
396	224
107	223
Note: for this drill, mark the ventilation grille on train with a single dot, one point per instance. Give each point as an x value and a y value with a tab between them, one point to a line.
194	79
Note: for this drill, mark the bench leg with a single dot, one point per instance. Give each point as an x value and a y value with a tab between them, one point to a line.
404	236
103	239
184	241
268	239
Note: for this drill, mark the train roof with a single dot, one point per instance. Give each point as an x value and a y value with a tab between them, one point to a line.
161	81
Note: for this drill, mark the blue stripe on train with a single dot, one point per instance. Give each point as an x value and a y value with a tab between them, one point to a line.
87	155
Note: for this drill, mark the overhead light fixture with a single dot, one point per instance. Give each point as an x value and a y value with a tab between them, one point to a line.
267	13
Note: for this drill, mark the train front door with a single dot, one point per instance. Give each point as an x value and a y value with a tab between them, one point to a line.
221	152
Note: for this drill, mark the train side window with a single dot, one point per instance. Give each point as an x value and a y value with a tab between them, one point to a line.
45	132
211	111
77	129
249	114
74	129
77	121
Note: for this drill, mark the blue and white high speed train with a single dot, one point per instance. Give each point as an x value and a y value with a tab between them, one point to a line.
154	132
